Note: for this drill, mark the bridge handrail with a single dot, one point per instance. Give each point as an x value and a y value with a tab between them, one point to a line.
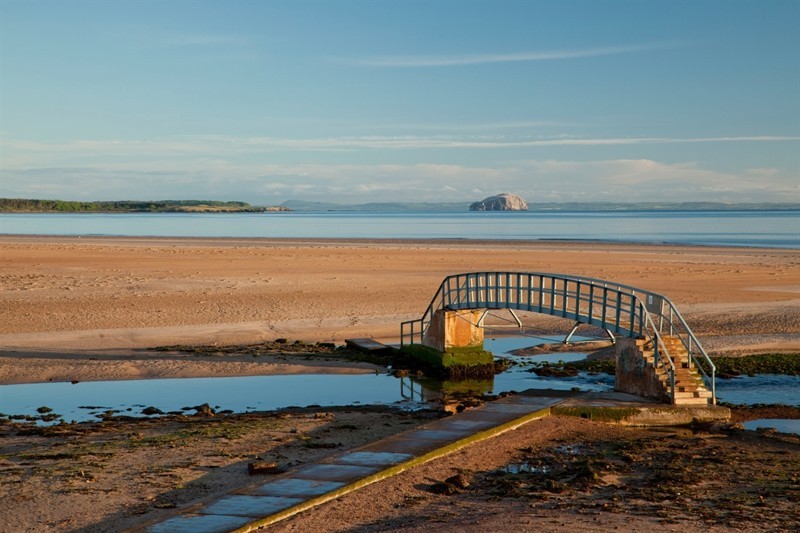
658	342
641	305
690	342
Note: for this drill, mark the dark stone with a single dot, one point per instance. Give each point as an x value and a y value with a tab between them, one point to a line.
264	467
443	488
459	480
204	410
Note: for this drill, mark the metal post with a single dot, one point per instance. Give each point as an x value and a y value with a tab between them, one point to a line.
571	332
541	292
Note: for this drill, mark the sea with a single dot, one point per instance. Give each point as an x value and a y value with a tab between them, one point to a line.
772	229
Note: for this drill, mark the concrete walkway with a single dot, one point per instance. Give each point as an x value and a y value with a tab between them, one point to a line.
304	487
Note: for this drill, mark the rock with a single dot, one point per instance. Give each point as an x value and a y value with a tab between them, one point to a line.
264	467
500	202
443	488
733	427
204	410
458	480
152	411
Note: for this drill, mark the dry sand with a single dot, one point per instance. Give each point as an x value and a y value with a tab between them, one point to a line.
88	309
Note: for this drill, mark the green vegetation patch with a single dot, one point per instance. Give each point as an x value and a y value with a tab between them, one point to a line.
771	363
562	369
422	353
162	206
452	357
466	357
603	414
457	363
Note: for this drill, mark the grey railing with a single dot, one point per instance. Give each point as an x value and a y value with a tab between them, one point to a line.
620	309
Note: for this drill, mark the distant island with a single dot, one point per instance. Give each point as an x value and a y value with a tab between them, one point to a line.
17	205
500	202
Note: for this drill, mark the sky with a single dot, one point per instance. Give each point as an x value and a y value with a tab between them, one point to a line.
413	101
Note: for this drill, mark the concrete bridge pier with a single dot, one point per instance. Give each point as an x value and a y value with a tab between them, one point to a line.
455	344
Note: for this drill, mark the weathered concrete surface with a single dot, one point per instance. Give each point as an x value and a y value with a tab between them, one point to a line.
307	486
454	329
634	375
304	487
631	410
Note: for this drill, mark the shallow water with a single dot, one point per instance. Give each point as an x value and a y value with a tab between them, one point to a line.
784	425
83	401
729	228
760	389
86	400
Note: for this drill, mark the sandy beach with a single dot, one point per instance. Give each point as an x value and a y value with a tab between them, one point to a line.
89	309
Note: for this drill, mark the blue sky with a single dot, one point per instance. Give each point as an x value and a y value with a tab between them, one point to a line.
407	100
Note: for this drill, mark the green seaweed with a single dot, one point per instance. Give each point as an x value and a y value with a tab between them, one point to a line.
770	363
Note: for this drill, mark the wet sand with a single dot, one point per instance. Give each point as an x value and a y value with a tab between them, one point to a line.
87	308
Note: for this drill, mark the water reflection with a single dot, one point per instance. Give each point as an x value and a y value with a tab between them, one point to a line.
516	378
90	400
85	400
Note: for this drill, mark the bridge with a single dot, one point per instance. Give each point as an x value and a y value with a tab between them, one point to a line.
662	359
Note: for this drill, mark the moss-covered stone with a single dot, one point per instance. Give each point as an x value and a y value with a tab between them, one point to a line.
456	363
603	414
466	357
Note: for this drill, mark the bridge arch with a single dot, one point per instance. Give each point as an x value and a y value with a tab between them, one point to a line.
620	309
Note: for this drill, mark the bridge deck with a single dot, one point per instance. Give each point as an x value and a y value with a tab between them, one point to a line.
366	345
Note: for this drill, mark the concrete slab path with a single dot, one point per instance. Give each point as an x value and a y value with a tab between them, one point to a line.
307	486
304	487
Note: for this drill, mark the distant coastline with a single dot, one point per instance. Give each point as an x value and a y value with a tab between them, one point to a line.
16	205
377	207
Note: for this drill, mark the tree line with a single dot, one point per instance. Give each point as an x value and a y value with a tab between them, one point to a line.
126	206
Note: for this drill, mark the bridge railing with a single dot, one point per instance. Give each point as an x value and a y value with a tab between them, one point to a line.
620	309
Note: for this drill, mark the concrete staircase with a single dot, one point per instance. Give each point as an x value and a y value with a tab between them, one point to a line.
689	386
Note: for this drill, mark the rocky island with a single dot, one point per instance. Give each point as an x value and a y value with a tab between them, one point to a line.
500	202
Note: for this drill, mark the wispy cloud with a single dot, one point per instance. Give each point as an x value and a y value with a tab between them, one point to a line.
267	169
22	152
423	61
260	180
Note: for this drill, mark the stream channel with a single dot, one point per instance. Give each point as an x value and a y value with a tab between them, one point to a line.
85	401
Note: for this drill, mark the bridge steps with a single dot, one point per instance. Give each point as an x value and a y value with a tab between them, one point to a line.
689	386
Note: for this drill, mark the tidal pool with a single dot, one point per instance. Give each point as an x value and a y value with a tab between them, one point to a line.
760	389
87	400
784	425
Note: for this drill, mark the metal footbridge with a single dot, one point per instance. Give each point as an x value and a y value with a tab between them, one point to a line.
619	309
